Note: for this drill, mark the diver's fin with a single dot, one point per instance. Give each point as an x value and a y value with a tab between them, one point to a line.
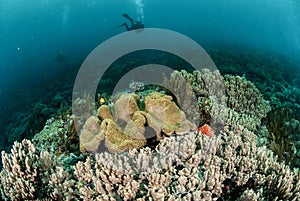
124	24
128	17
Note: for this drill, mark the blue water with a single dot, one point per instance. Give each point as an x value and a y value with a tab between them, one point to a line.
31	32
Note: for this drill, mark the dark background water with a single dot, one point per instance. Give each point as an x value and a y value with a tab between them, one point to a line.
32	32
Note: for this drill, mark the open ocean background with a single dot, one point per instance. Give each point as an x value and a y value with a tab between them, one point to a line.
32	32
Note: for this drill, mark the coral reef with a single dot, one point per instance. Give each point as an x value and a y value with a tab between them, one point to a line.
192	165
244	97
26	125
283	123
135	86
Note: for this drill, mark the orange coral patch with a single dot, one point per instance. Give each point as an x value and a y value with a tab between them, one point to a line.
206	130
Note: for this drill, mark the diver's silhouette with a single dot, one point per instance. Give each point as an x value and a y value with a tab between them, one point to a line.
60	57
134	24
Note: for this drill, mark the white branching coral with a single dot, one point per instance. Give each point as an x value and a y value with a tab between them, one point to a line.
198	169
20	176
29	174
245	101
187	167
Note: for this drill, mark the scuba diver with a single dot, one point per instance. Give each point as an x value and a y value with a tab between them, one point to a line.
134	24
60	57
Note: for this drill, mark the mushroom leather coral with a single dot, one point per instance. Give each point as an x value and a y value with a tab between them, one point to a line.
116	140
91	135
162	115
164	110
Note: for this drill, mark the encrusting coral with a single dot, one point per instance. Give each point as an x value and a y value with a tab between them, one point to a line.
229	165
